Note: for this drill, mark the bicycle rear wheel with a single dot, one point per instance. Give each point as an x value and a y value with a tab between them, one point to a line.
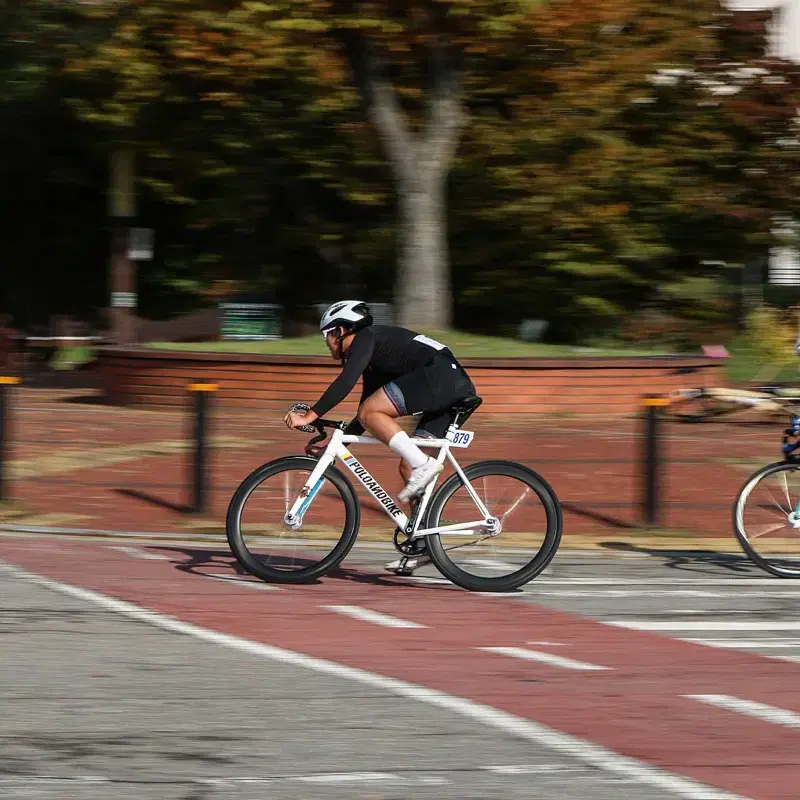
262	541
699	408
765	519
530	527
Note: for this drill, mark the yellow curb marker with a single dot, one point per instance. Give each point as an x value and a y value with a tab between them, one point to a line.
655	401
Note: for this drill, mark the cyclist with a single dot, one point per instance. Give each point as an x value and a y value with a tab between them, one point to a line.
404	374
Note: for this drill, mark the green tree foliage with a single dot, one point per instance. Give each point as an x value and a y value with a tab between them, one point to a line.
597	156
407	69
648	147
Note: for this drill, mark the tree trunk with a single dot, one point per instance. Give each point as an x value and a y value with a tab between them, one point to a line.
423	289
122	269
420	163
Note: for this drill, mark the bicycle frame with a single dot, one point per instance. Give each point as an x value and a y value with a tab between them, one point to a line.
337	449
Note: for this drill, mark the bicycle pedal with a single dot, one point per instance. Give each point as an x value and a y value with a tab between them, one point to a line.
406	566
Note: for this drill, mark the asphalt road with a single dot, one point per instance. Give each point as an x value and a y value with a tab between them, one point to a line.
714	599
94	705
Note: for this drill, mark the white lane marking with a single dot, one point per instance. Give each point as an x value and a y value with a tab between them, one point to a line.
741	583
531	769
332	778
137	553
795	595
690	625
745	644
625	593
368	777
375	617
778	716
491	563
511	724
711	612
425	579
612	593
545	658
264	587
548	644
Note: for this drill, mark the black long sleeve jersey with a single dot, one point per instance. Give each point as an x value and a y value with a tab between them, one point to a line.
381	353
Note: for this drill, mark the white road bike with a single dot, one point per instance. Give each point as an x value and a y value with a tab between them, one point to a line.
491	526
699	404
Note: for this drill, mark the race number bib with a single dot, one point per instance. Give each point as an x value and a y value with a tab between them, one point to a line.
430	342
463	438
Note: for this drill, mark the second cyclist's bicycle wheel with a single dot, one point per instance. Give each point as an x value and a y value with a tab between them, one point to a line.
700	408
267	547
530	527
766	518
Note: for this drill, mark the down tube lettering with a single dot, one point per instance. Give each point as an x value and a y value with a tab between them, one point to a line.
373	486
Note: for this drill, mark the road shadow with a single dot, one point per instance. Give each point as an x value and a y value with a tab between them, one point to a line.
45	378
153	500
98	399
761	422
690	560
597	517
198	560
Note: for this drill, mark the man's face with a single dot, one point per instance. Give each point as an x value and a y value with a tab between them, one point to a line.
330	340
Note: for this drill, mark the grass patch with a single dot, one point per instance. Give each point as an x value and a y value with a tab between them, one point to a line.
464	345
71	357
746	366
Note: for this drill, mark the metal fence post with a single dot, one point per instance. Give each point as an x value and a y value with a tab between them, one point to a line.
200	393
651	460
6	382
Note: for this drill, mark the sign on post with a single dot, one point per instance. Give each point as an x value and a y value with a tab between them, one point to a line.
140	244
382	313
123	299
251	321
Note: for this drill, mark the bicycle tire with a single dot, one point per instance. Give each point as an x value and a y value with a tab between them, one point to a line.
539	562
738	527
308	574
698	409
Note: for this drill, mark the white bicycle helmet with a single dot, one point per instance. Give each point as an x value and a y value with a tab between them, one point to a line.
351	315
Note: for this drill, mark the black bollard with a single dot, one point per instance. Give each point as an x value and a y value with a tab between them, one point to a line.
651	466
199	467
6	382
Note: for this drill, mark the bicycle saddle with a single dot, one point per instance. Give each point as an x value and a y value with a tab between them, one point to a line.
465	407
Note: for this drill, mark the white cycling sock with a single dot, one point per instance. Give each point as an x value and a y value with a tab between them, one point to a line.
402	445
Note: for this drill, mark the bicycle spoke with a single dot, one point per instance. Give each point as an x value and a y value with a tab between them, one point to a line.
273	549
521	498
499	556
777	504
786	489
770	529
489	553
766	528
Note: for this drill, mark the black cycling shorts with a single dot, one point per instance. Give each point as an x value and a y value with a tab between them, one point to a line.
430	392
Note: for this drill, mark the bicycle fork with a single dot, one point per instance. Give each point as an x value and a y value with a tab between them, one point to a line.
294	516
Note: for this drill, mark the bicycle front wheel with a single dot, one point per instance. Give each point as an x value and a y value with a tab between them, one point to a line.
267	547
765	518
528	537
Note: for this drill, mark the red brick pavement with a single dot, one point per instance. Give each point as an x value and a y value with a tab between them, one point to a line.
88	465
